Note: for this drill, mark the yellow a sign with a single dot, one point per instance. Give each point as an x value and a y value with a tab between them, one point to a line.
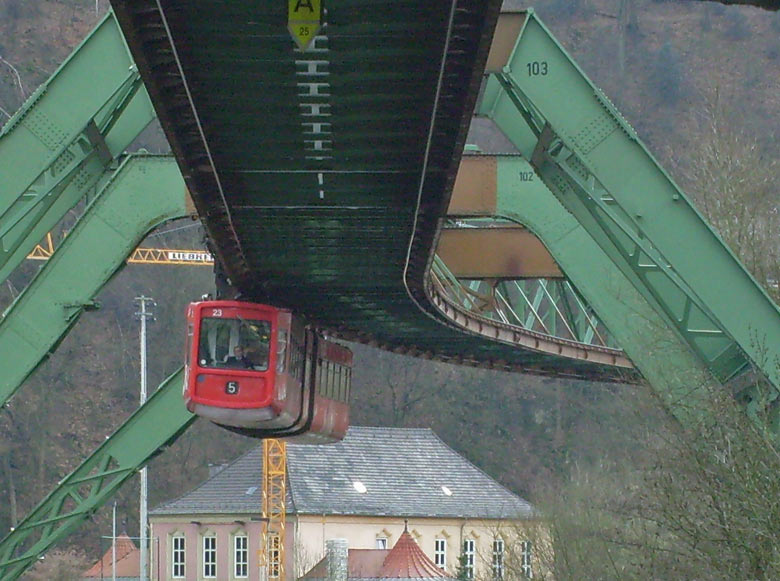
304	20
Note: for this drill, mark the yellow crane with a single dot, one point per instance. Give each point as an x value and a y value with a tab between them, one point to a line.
271	555
164	256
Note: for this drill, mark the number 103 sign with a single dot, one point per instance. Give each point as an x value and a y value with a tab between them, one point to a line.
303	20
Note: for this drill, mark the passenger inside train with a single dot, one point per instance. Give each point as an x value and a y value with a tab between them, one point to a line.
234	343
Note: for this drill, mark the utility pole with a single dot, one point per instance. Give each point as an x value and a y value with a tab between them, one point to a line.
113	544
144	314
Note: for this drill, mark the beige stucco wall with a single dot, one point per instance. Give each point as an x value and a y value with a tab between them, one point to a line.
311	532
306	536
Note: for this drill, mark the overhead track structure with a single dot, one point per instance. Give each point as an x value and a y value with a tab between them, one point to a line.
143	191
329	192
322	177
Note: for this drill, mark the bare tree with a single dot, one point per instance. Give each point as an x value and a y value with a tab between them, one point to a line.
736	184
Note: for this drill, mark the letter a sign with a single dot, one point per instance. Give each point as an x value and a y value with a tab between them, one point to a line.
303	21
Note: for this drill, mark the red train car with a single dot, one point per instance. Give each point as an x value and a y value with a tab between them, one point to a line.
263	372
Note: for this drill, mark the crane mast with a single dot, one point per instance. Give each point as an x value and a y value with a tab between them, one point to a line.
271	555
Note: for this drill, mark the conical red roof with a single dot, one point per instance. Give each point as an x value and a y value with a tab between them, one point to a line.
407	560
127	561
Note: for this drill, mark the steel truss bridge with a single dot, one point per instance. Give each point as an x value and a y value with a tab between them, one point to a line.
333	181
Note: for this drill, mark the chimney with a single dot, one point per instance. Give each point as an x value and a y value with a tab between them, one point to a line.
215	469
336	553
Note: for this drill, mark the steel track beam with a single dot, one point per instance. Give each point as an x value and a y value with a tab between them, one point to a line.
145	191
143	435
56	148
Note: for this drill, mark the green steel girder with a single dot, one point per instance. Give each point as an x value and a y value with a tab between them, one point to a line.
660	354
238	107
55	149
145	191
551	307
144	434
592	160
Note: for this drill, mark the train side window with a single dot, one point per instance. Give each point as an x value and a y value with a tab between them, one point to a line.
326	379
337	381
344	383
187	353
281	350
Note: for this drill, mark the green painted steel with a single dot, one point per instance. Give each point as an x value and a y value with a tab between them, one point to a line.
144	434
55	149
593	161
322	177
551	307
144	192
673	370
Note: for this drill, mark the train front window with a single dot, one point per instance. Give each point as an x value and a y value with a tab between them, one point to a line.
234	343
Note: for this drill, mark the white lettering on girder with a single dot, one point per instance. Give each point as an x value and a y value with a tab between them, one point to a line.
313	94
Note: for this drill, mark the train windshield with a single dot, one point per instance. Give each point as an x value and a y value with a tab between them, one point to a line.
234	343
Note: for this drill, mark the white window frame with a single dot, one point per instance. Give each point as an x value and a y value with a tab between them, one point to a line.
381	543
209	555
240	556
469	549
440	552
178	556
498	559
526	552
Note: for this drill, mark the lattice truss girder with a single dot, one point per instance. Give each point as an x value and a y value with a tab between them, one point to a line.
152	427
55	149
548	306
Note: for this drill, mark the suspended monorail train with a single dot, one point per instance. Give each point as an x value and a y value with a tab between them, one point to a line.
264	372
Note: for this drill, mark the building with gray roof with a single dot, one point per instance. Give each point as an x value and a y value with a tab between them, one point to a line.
361	489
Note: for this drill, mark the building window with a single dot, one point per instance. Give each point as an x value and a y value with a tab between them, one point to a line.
468	558
498	559
210	557
525	559
177	557
440	553
381	542
241	556
274	564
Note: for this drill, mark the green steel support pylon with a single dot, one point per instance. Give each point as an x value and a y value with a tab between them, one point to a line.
145	191
593	162
56	148
152	427
672	369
